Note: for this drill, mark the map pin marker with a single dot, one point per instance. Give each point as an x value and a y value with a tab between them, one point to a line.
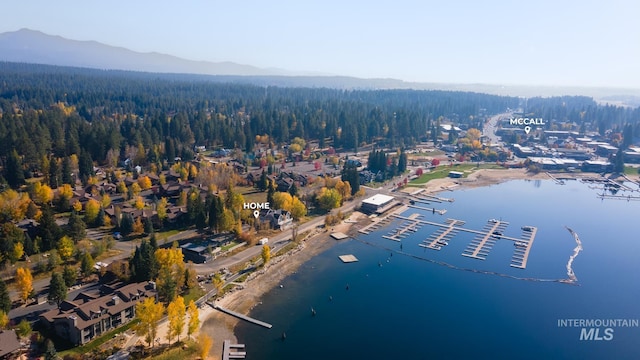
527	129
256	213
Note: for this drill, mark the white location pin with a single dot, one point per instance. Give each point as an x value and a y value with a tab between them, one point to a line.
256	213
527	129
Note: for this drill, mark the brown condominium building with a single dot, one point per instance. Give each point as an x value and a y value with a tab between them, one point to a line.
93	313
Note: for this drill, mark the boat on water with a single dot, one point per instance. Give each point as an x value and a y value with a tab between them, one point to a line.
520	244
527	228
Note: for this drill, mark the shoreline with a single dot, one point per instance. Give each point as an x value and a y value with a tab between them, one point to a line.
222	327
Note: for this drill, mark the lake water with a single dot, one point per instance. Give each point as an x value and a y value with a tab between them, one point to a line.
398	306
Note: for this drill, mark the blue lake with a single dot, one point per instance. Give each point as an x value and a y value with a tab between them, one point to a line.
398	306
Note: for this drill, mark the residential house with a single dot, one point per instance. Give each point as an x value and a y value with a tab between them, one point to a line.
91	314
279	219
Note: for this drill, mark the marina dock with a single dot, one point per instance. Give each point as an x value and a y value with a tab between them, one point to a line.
409	226
241	316
521	253
442	236
480	246
232	351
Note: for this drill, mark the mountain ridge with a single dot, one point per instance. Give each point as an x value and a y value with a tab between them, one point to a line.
36	47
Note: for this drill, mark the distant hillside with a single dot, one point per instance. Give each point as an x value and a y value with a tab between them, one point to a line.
35	47
29	46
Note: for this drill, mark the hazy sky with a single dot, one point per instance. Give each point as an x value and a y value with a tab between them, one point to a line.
535	42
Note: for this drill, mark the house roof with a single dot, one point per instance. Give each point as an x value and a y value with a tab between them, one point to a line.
378	199
8	342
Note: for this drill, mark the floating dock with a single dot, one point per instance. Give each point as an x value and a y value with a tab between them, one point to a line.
442	236
409	226
339	235
375	225
348	258
522	248
242	317
480	246
232	351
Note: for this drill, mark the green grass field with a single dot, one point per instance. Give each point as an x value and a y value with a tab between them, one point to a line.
443	171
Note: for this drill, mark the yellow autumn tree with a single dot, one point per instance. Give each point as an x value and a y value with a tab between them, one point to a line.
91	211
193	171
149	313
64	194
194	320
106	201
13	205
24	283
139	203
176	313
266	254
65	248
161	208
298	210
282	200
17	252
135	189
170	273
4	320
344	189
42	193
138	226
77	206
204	345
144	182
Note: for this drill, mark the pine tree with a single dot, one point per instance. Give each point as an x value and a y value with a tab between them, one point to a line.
69	275
402	162
77	228
13	171
5	300
66	171
57	289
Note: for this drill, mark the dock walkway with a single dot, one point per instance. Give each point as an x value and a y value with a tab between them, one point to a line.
480	246
521	253
241	316
442	236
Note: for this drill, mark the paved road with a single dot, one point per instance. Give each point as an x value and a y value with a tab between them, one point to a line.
491	126
276	242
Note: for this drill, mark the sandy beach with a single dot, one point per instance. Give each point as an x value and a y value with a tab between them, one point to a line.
221	326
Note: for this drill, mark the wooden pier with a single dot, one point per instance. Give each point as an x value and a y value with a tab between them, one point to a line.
429	198
242	317
409	226
232	351
557	181
433	210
